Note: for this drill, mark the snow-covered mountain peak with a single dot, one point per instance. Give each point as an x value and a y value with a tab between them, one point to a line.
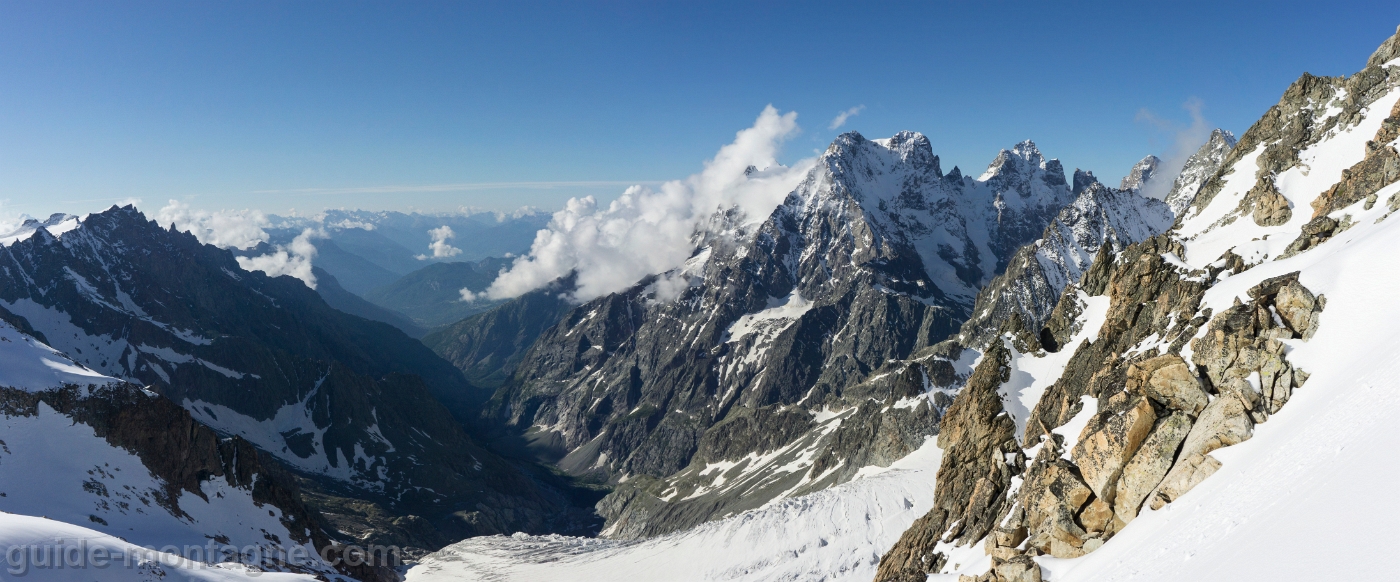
913	148
56	224
1022	177
1022	159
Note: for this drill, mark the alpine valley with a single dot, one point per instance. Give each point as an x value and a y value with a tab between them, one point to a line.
894	373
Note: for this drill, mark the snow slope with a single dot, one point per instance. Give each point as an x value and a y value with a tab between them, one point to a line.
833	535
30	365
27	539
53	465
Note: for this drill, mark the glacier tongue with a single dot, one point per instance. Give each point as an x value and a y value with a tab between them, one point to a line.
832	535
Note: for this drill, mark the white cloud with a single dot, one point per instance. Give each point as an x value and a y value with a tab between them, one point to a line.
469	296
1186	139
243	229
238	229
648	230
439	246
293	259
841	117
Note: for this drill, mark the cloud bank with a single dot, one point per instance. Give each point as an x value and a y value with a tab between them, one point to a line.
648	230
841	117
294	259
243	229
236	229
1185	140
439	246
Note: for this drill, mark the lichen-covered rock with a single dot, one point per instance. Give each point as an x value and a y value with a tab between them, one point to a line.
1097	516
1109	441
1052	496
1168	380
1018	569
1147	468
1298	308
1244	340
1225	422
1270	207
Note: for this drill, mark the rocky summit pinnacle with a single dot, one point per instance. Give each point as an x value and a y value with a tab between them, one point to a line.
1083	179
1199	167
1143	172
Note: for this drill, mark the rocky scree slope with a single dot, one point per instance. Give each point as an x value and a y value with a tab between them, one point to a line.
760	369
1178	347
345	401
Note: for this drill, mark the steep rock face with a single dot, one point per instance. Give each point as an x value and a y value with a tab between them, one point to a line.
346	400
1199	168
876	255
980	456
1038	273
1145	436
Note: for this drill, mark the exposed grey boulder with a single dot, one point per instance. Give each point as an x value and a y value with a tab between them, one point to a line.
1270	207
1018	569
1055	494
1299	309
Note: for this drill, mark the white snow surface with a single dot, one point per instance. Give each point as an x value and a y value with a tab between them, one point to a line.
1032	373
29	364
837	534
56	225
64	471
781	312
20	533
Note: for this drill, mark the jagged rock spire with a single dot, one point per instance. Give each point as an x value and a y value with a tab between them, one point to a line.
1142	173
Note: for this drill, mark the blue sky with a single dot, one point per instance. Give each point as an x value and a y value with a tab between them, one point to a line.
425	105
